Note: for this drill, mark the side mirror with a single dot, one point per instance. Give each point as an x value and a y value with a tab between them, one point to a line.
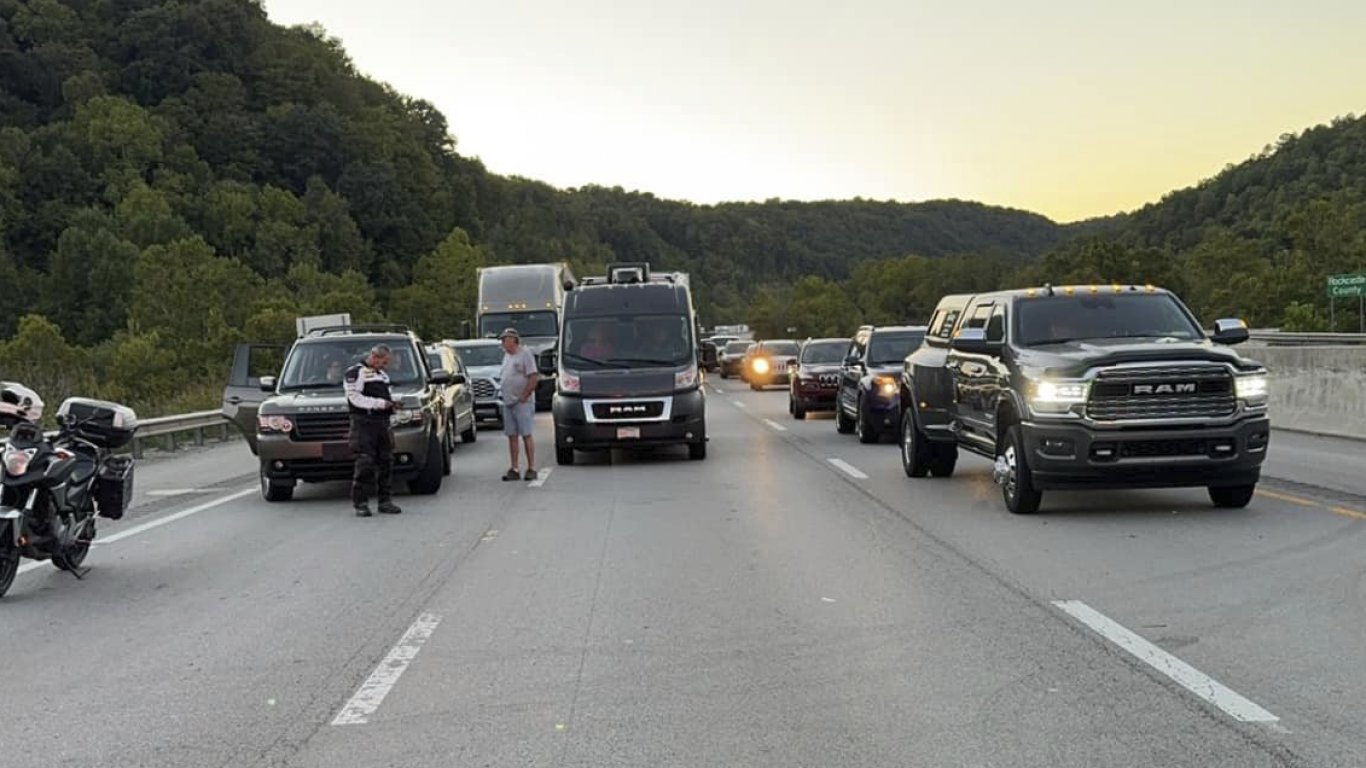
267	383
852	361
458	378
974	342
1229	331
442	378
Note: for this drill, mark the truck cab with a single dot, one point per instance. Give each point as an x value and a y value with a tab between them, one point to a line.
629	371
1085	387
529	298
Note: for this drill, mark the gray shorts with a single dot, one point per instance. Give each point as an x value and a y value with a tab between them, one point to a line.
519	419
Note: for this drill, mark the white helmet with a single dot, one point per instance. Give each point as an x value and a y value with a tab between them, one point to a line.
18	400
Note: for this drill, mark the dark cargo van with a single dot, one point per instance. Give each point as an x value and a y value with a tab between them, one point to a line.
629	365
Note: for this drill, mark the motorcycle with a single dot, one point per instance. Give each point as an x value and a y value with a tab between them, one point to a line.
52	489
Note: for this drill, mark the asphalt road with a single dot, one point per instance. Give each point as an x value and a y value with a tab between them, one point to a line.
765	607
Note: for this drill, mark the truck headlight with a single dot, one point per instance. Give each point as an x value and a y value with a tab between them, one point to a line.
1252	387
884	385
1057	397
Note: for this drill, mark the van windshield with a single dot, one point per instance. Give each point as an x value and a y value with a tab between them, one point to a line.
628	341
320	364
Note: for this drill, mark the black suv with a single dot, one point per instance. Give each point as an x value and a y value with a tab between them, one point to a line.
1085	387
867	402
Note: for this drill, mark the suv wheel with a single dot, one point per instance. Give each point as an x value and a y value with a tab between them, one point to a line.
1017	481
428	480
273	490
1232	496
843	424
697	451
913	447
865	431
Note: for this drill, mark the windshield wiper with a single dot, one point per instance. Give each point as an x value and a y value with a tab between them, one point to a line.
593	360
647	361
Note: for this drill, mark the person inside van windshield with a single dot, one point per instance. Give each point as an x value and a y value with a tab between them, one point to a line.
598	346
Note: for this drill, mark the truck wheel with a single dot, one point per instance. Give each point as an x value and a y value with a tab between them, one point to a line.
914	447
564	456
428	480
943	459
273	490
865	431
798	412
1017	483
1232	496
697	451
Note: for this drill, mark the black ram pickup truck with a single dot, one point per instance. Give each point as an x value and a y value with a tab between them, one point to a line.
1085	387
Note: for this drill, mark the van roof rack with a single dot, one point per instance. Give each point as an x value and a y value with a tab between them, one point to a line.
342	330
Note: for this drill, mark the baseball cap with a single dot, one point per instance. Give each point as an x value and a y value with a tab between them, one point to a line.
510	332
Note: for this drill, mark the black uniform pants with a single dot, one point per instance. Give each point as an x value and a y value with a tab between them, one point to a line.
372	441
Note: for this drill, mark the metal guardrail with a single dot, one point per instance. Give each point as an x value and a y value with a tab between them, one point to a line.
172	431
1283	339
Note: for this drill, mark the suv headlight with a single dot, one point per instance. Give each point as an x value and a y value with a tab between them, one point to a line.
760	365
405	417
1252	388
274	424
884	385
1051	396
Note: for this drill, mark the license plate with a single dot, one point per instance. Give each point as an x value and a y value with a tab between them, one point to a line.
628	433
337	452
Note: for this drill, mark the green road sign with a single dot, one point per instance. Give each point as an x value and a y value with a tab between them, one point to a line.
1346	286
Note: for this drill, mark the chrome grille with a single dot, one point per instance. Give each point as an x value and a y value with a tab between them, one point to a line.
628	410
484	389
1117	394
316	427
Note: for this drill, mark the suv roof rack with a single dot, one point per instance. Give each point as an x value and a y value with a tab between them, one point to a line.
342	330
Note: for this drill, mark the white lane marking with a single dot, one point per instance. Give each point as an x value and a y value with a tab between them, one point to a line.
739	404
1180	672
144	527
848	469
776	426
372	692
541	476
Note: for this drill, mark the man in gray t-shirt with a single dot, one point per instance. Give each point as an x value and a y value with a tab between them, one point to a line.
518	376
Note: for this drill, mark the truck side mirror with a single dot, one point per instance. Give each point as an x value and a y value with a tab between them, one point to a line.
1229	331
267	383
973	341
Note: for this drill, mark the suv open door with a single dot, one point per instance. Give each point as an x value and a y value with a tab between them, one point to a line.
244	394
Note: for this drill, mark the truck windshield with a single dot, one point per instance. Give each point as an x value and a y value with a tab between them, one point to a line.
479	355
1059	319
528	324
824	352
320	364
887	348
628	341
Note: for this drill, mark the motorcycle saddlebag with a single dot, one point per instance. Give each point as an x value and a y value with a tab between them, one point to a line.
114	487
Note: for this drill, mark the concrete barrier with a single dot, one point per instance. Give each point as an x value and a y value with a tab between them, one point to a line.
1316	389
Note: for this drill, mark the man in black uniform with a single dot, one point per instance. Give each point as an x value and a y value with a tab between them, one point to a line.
372	437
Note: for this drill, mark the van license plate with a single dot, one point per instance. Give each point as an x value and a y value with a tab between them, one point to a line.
628	433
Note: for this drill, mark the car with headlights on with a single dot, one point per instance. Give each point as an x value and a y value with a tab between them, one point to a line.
1086	387
867	402
768	363
815	380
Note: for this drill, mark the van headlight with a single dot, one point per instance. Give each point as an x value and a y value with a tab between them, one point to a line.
686	378
1252	388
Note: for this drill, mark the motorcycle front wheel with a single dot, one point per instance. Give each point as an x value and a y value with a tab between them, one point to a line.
9	558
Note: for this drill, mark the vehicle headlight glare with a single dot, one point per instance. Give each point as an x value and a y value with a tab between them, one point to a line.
760	365
1060	392
1252	388
886	385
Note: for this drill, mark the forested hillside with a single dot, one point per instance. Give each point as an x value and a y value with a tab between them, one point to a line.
176	177
179	176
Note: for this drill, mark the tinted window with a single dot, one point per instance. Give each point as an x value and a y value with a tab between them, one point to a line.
526	323
1054	319
481	355
786	348
319	364
434	361
824	352
736	347
892	347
